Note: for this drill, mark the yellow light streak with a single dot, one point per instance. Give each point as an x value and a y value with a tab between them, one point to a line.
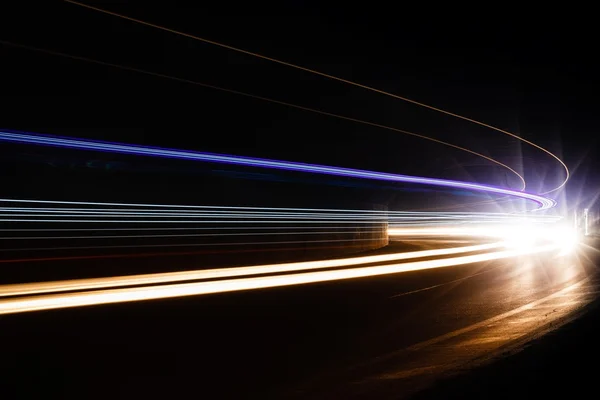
169	277
67	300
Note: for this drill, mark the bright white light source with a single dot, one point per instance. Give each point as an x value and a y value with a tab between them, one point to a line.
516	235
528	236
567	238
520	237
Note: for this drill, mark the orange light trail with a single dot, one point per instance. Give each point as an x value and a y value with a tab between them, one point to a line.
162	291
146	279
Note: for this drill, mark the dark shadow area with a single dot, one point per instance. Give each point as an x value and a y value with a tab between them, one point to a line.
560	364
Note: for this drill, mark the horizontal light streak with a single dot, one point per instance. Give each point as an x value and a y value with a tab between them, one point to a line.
138	221
220	228
245	208
160	214
185	235
207	217
203	207
162	291
282	223
497	230
255	243
96	283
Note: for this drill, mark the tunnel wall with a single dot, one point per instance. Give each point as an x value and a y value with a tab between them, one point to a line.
342	241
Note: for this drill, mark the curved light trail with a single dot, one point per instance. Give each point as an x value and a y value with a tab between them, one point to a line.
81	209
170	277
54	300
315	72
243	216
286	104
83	144
245	208
193	235
215	226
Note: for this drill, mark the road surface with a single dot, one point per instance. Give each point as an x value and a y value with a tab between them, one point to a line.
375	337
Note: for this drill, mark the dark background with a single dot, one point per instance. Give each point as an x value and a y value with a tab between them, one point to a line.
533	76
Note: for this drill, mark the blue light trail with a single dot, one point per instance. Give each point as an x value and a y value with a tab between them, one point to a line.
85	144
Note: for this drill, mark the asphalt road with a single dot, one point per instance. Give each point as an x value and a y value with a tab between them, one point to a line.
379	337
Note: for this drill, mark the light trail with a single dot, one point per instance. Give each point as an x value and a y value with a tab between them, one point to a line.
251	217
221	244
182	236
247	250
219	213
186	216
210	213
480	230
270	226
254	212
136	221
244	208
525	235
282	103
271	220
543	202
259	228
328	76
265	220
384	216
221	226
86	298
170	277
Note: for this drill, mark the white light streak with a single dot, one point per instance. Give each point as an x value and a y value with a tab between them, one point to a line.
66	300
